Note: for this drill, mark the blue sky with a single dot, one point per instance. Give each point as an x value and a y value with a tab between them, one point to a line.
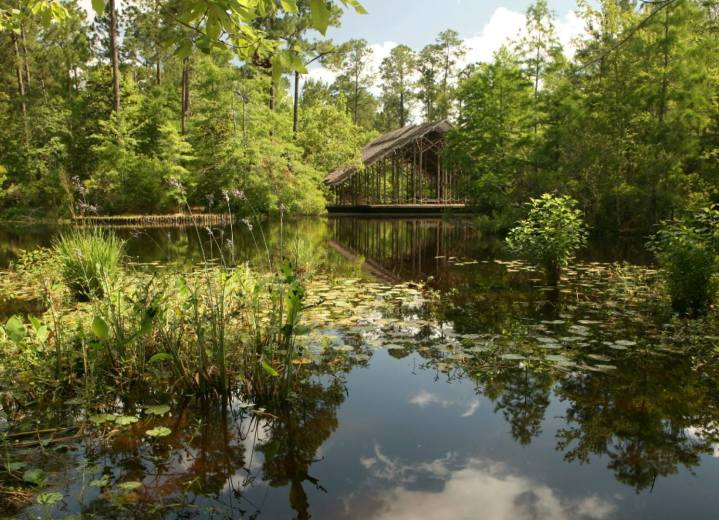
416	22
484	25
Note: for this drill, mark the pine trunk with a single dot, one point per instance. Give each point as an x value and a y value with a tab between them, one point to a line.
296	103
114	57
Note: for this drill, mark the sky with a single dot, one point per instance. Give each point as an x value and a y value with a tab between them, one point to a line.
484	25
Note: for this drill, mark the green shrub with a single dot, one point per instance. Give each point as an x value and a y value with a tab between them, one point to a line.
550	235
686	249
88	258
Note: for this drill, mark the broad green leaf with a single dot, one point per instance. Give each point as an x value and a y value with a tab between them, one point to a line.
289	6
129	486
158	409
160	431
101	418
319	15
15	329
100	328
100	482
49	499
35	476
358	7
160	357
14	466
36	324
126	420
98	6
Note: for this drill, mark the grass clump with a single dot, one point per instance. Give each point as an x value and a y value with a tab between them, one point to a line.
88	258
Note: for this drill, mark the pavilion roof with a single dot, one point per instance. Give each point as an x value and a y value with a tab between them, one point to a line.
386	144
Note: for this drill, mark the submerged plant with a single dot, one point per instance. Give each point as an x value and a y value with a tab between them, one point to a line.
88	258
687	251
550	235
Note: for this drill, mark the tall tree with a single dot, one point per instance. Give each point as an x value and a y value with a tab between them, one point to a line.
355	77
397	73
114	56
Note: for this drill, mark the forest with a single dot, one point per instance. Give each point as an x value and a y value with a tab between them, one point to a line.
191	326
110	113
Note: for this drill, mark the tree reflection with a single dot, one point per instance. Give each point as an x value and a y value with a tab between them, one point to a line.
641	417
301	426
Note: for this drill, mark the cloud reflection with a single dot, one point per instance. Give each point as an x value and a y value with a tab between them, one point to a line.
425	398
476	488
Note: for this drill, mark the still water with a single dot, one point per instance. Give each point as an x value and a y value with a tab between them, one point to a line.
479	394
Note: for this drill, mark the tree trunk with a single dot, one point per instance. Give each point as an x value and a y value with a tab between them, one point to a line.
355	108
158	72
185	94
114	57
296	103
401	109
18	73
24	54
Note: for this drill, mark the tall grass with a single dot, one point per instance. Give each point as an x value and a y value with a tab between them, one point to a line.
88	258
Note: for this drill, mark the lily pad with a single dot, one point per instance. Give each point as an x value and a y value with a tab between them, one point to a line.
512	357
159	431
157	409
129	486
101	418
48	499
125	420
101	482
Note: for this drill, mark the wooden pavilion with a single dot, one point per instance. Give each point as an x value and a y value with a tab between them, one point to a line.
401	170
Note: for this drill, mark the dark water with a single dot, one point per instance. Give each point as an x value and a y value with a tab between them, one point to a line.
494	398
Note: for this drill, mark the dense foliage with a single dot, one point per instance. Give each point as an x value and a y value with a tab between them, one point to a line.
184	120
626	121
550	235
628	126
688	252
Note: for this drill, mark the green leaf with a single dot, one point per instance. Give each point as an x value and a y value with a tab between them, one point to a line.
98	6
101	482
15	329
35	476
126	420
289	6
100	328
158	409
359	8
49	499
129	486
319	15
268	368
159	431
36	324
101	418
14	466
160	357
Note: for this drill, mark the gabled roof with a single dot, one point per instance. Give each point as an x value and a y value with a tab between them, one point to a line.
385	144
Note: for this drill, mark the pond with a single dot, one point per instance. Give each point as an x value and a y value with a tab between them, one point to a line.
448	383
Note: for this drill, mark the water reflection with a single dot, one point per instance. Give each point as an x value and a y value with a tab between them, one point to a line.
480	391
469	488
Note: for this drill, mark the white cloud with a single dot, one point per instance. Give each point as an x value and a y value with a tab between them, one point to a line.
503	26
465	489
